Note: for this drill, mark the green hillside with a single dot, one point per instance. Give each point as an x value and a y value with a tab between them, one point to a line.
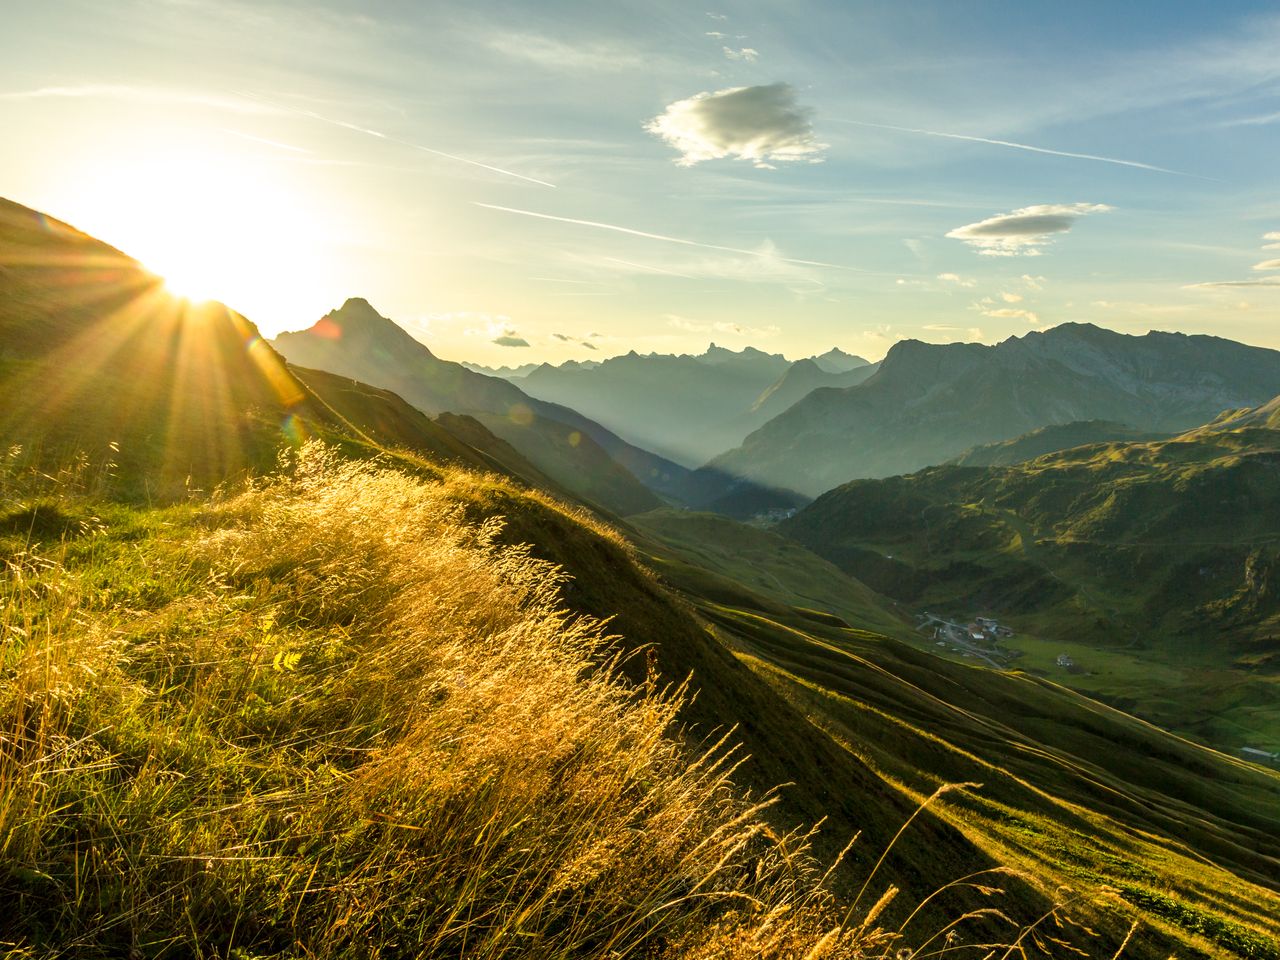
716	557
1149	564
1051	439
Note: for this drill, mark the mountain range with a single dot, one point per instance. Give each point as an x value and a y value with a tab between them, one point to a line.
689	408
580	454
928	403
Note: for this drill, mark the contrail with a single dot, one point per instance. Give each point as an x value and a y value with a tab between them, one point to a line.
1028	147
662	237
311	114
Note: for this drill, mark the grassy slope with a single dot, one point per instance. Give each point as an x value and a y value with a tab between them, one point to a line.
330	718
1151	563
1050	439
715	556
1071	790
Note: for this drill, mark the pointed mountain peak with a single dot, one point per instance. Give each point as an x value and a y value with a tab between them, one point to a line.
357	310
836	360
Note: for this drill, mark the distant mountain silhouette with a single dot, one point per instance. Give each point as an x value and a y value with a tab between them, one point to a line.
688	408
928	403
577	452
836	360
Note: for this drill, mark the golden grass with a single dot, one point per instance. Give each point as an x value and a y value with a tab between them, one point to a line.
348	723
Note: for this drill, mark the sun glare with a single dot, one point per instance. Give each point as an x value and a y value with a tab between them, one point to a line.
214	225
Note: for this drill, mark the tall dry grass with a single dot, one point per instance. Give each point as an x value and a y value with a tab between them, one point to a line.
340	721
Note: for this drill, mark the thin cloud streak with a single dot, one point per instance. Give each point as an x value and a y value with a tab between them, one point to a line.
312	115
1028	147
108	91
658	236
263	140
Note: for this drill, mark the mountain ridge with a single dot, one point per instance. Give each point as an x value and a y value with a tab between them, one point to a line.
927	403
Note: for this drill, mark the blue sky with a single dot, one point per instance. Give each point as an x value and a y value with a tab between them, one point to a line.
588	179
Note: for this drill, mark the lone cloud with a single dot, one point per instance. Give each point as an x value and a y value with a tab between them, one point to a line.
761	124
1023	232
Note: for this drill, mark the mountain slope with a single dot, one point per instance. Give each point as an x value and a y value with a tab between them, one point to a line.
357	341
836	360
158	397
1153	564
928	403
1051	439
801	379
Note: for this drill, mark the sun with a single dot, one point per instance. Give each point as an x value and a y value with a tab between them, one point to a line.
215	224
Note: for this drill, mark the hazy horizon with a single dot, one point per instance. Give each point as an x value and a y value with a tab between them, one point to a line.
520	184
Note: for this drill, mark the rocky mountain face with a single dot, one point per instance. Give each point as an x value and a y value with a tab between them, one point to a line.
800	380
928	403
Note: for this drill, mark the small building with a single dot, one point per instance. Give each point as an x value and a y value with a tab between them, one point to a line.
1065	661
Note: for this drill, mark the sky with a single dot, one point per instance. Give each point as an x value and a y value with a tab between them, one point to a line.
543	181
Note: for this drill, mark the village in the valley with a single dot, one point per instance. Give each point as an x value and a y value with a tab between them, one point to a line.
980	639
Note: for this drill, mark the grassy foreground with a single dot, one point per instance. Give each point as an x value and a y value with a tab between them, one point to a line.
328	717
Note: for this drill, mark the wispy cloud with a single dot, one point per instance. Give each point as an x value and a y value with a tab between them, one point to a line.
153	95
378	135
1261	120
1211	284
1265	265
1023	232
1009	313
555	54
760	124
765	254
1025	146
749	54
265	141
510	340
958	280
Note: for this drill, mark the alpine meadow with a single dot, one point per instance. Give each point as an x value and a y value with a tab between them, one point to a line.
639	482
